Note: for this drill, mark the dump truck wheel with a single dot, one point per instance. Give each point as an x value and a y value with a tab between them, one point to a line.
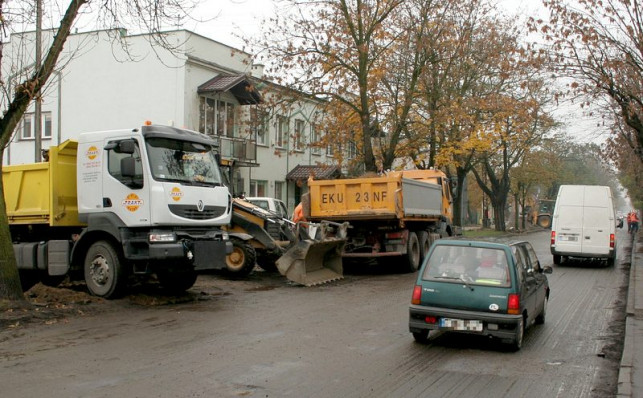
242	259
425	244
412	256
176	281
105	275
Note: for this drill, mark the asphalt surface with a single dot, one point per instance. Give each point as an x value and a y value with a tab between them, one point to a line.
630	377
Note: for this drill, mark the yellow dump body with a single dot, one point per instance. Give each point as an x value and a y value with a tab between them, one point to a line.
404	195
45	192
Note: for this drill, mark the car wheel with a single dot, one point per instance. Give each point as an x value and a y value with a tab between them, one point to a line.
421	337
556	259
516	344
540	319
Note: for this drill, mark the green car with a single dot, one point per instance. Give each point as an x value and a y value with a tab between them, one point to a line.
488	287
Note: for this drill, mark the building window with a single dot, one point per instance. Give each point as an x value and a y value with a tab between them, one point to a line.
27	126
258	120
351	150
282	132
216	117
315	147
299	135
258	188
279	190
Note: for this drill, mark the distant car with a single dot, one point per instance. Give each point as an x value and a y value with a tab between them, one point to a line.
489	287
274	205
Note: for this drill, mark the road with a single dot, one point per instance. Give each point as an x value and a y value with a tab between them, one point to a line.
265	337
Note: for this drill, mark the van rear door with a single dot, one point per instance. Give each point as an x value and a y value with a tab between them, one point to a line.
569	229
598	220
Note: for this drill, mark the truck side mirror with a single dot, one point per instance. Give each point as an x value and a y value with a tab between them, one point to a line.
128	167
126	146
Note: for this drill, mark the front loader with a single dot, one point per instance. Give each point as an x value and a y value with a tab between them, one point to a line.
276	243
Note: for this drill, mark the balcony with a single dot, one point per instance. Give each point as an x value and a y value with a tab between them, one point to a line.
242	151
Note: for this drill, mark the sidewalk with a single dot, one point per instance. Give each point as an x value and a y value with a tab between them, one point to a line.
630	376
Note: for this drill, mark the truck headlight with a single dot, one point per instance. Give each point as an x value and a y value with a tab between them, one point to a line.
162	237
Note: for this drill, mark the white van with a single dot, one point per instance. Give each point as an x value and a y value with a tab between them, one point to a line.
584	224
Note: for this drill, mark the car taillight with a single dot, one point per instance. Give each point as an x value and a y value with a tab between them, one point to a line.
431	319
553	238
611	241
513	304
417	294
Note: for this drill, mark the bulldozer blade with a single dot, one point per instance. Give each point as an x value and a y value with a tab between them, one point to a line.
312	262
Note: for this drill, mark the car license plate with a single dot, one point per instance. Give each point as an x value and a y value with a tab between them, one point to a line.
569	238
461	324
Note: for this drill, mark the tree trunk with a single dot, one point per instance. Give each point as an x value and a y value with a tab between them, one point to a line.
516	212
458	193
10	287
499	207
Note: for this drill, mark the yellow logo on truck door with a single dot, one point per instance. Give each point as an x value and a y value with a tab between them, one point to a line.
92	152
132	202
176	194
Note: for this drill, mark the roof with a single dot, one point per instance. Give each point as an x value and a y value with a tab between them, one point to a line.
239	85
302	172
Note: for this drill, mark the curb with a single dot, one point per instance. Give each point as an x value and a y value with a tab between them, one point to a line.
626	371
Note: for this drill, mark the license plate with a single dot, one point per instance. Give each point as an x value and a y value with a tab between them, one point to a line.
569	238
461	324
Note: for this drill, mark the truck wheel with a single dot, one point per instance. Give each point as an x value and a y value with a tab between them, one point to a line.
105	275
412	256
241	261
425	244
174	282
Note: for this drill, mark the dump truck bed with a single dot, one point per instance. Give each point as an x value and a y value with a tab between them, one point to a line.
398	195
45	192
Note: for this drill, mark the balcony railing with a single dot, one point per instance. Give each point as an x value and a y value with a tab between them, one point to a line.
242	151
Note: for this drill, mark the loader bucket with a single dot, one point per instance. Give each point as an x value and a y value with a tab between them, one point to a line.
312	262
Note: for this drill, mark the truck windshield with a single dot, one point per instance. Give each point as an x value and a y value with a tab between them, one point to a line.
182	161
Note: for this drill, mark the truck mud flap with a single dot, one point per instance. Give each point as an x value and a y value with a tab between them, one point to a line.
311	262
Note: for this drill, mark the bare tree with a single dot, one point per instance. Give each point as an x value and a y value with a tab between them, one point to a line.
599	44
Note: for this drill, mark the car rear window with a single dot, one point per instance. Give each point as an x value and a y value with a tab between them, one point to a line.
474	265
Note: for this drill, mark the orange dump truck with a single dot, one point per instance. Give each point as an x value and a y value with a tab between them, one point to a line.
396	215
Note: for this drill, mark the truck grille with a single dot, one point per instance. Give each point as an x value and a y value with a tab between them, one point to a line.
191	212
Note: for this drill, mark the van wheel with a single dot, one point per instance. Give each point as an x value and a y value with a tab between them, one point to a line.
516	344
556	259
540	319
425	244
105	275
412	256
611	261
421	337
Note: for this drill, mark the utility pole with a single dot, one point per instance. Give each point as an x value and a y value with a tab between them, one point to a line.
38	103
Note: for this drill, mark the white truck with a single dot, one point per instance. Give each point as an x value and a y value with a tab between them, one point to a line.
584	224
118	204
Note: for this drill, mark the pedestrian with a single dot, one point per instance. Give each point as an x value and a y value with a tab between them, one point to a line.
629	221
635	222
298	214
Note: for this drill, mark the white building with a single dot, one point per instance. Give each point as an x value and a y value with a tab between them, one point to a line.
204	86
